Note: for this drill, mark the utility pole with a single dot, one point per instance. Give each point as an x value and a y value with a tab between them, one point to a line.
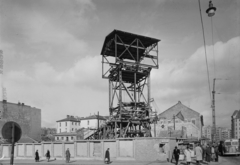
174	122
98	125
213	112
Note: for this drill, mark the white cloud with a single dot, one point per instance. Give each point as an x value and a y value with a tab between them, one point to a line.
45	31
76	91
186	80
80	89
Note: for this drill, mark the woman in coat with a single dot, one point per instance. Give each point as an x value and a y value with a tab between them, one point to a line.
198	151
36	156
187	154
48	155
107	157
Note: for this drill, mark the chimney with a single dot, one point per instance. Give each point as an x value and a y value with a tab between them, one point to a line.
68	116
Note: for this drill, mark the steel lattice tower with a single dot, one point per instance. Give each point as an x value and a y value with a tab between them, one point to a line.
127	61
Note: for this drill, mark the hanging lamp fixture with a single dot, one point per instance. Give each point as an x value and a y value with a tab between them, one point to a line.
211	9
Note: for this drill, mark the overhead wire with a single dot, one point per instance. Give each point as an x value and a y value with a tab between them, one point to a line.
204	42
213	49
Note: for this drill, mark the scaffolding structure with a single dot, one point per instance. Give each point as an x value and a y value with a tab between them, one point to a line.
127	61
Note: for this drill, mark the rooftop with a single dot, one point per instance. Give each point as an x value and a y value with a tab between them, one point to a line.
175	109
236	114
124	39
66	134
94	117
70	118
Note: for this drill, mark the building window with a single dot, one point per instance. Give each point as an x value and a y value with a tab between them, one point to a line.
88	122
66	123
60	130
162	148
66	138
72	129
169	121
193	121
62	138
71	138
72	123
57	138
60	124
76	123
66	129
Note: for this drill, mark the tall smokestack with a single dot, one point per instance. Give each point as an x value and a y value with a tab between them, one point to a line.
1	75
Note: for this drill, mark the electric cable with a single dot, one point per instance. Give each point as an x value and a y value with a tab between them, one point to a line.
213	50
204	42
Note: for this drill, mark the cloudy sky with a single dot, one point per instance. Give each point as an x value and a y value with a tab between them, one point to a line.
52	53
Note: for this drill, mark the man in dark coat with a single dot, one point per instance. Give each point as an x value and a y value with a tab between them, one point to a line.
36	156
208	153
204	148
216	152
176	153
68	156
48	155
107	156
220	148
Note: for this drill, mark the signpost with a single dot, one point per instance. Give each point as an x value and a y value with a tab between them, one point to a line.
11	132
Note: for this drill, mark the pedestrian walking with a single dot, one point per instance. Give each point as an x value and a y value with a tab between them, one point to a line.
220	148
48	155
208	154
187	154
216	152
198	151
68	155
204	148
36	156
176	153
107	156
213	155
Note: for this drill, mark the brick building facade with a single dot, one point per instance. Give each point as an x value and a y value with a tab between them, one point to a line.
190	126
29	118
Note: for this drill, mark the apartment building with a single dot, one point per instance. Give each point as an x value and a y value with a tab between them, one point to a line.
235	124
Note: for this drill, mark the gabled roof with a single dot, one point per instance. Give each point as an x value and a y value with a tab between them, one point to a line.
73	119
175	109
94	117
236	114
27	139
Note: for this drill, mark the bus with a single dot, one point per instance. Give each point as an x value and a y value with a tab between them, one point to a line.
231	147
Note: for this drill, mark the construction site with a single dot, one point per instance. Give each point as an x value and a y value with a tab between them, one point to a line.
127	61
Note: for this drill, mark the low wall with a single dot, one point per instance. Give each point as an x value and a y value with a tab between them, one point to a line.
141	149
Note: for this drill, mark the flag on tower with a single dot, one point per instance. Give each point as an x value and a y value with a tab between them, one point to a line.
180	116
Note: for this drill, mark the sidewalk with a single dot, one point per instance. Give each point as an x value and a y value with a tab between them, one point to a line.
95	162
81	162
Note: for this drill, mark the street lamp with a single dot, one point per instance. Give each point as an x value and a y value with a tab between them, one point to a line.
211	9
